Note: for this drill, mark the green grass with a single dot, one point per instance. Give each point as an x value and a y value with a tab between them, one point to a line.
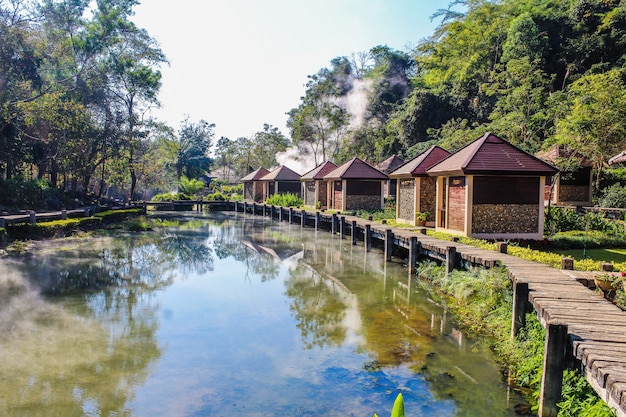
615	255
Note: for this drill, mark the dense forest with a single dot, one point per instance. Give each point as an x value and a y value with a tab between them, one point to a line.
78	80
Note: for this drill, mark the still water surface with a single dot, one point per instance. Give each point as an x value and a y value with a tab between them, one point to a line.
231	316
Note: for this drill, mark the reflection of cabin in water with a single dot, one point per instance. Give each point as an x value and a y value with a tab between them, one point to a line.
572	186
416	191
491	189
356	185
315	187
282	180
387	166
252	186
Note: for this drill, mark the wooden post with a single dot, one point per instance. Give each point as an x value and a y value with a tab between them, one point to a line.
236	207
280	213
303	218
64	214
317	220
2	223
553	366
353	231
333	228
451	261
412	255
342	227
520	306
388	244
254	209
32	219
272	211
144	207
423	230
368	237
290	215
503	247
567	264
245	207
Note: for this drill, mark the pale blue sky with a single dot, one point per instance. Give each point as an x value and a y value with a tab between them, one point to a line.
242	63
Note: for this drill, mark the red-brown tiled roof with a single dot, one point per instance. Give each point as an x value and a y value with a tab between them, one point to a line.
255	175
356	169
319	171
390	164
417	166
491	155
556	152
282	173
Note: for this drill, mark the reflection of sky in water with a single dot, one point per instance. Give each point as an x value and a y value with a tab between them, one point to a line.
238	332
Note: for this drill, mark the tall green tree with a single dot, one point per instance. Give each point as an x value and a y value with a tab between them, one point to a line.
266	144
194	144
319	122
594	125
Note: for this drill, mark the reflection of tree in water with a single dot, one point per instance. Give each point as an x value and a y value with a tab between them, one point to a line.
87	357
319	306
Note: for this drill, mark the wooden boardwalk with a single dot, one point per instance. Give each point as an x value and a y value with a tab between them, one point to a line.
583	329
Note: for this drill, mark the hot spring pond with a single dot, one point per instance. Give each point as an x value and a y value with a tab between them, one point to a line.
231	316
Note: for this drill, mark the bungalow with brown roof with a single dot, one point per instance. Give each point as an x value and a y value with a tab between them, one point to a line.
491	189
388	166
315	187
572	186
252	186
416	191
282	180
356	185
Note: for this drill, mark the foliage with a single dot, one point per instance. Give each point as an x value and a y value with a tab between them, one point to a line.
580	399
188	186
377	215
170	196
284	200
482	300
613	196
56	228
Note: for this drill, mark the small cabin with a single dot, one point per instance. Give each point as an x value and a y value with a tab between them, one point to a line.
388	166
490	189
356	185
315	187
282	180
572	186
416	193
252	186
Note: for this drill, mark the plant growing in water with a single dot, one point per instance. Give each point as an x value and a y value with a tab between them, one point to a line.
398	407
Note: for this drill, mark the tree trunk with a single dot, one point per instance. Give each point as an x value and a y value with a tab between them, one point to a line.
133	183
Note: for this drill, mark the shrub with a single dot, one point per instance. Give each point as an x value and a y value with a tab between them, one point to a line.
189	186
284	200
613	196
216	196
170	196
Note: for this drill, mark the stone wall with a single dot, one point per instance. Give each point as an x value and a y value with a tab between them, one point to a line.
570	193
505	218
362	202
309	190
428	196
406	202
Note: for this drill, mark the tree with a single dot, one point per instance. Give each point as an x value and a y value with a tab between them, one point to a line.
194	144
594	125
266	144
318	123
